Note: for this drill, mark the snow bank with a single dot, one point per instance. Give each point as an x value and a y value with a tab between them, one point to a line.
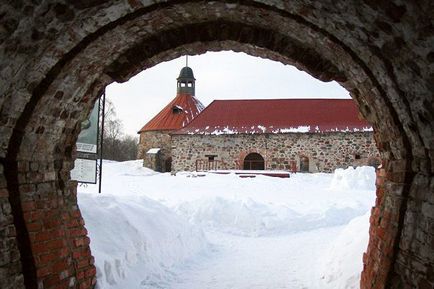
342	264
360	178
266	206
136	240
246	217
146	225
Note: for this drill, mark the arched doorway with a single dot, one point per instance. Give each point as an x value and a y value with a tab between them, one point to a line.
49	85
304	164
254	161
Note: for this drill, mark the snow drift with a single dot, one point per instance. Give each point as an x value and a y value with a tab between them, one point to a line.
150	230
136	240
342	263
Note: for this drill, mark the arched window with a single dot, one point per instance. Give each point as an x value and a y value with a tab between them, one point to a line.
304	164
254	161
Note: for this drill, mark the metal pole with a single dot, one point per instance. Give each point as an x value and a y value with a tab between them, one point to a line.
101	139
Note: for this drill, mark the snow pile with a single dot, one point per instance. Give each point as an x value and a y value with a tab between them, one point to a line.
237	216
342	264
246	217
360	178
136	240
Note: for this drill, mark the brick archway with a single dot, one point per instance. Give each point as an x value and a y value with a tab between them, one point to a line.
56	58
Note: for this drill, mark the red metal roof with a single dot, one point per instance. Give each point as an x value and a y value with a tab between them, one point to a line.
186	107
277	116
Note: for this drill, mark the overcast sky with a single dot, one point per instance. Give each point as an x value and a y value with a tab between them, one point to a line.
219	75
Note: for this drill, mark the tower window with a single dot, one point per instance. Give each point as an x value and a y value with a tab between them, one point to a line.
177	109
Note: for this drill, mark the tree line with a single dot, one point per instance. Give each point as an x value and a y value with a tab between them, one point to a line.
117	146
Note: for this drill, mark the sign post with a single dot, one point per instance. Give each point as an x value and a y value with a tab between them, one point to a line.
89	147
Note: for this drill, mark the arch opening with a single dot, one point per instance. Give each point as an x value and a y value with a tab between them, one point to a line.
304	164
254	161
50	90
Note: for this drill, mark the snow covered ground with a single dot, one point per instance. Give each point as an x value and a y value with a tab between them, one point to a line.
150	230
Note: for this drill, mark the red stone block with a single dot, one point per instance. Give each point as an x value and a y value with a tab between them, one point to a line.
78	242
55	244
47	258
90	272
83	263
76	214
62	285
28	206
42	272
381	232
60	266
63	252
34	227
50	281
73	223
39	248
85	284
51	223
81	275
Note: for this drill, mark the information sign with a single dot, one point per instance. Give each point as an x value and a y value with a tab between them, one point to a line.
84	171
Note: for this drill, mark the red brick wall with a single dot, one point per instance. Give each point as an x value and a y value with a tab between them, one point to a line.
59	244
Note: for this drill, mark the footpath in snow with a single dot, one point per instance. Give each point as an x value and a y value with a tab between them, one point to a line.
151	230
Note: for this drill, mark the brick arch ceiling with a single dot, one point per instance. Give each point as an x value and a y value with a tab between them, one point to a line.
56	58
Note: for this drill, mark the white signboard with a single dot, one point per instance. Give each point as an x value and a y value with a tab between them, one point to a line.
84	171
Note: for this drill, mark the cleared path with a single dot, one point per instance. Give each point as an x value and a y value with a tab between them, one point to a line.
284	262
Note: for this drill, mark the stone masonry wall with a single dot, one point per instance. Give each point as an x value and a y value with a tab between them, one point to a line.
9	253
155	139
325	151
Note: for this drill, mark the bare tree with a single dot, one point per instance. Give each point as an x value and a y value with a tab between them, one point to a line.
117	146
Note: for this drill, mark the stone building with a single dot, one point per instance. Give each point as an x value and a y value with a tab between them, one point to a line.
155	141
307	135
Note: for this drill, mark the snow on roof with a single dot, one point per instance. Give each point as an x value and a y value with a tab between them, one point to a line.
167	120
153	151
277	116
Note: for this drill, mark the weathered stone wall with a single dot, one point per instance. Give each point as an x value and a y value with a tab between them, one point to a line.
10	266
155	139
326	152
56	57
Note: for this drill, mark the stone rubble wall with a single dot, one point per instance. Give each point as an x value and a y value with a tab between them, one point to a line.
155	139
326	151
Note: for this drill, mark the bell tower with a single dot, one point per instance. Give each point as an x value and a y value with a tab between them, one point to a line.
186	81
